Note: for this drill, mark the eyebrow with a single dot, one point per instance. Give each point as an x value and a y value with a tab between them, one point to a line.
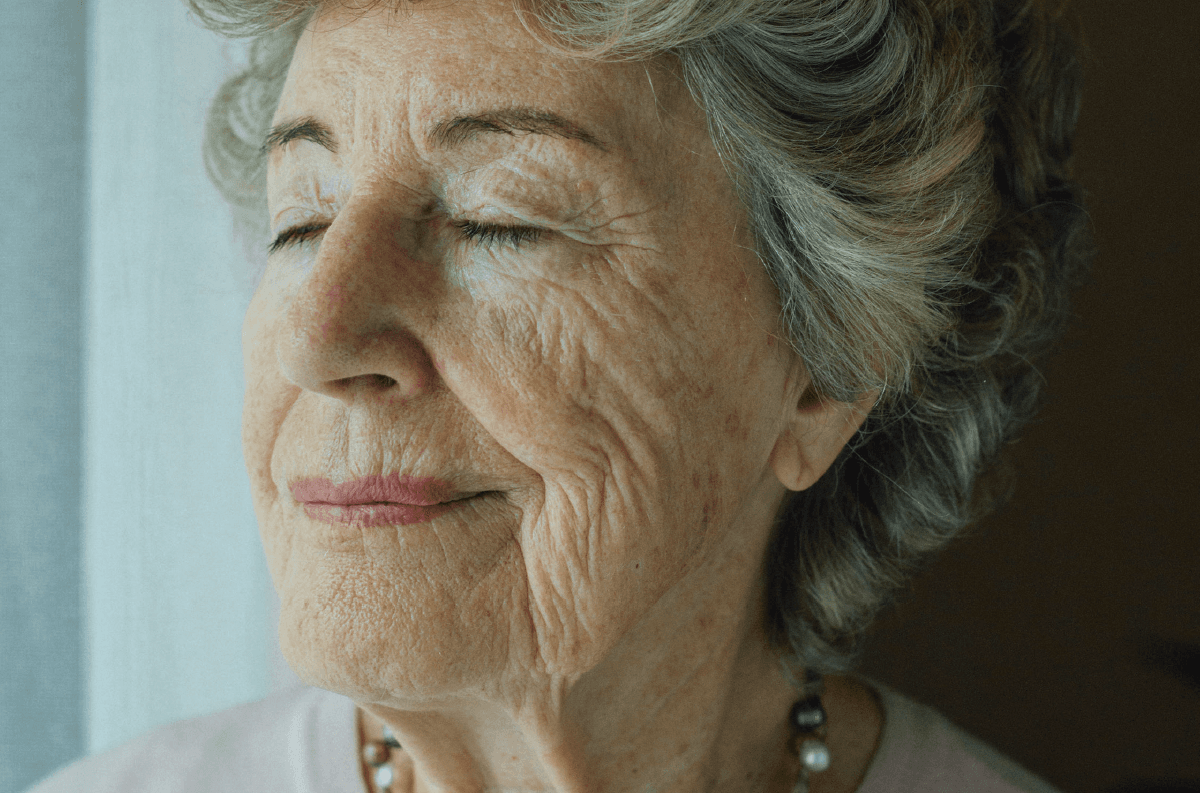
447	133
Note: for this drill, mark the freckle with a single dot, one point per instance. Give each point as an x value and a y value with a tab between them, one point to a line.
714	480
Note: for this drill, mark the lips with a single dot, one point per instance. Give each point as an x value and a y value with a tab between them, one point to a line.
378	500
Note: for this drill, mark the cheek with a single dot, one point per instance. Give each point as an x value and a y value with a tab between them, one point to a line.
614	406
572	386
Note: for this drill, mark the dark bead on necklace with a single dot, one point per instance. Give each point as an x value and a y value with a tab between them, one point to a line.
808	714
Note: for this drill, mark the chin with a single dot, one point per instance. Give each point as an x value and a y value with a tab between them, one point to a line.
349	636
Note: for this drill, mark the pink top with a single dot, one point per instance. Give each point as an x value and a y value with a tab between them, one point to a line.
303	740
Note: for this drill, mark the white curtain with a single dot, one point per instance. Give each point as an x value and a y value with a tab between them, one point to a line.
133	590
177	601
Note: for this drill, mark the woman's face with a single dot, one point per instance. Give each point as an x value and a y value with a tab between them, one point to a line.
611	385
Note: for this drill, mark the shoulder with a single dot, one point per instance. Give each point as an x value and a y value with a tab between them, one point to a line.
295	741
921	750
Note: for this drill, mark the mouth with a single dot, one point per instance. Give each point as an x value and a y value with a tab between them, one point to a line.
378	500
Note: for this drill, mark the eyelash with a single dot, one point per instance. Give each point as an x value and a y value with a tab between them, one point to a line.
294	234
484	234
487	234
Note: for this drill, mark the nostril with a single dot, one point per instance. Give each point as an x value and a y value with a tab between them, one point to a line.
372	381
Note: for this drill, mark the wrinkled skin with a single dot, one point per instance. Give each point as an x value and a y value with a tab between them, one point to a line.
616	389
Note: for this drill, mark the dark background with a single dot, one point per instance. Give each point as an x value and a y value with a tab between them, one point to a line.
1066	632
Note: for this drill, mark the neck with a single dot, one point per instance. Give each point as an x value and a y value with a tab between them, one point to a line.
692	699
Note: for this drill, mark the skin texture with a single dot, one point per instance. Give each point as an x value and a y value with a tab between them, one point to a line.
617	390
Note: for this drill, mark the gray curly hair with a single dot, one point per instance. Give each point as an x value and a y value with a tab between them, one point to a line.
905	168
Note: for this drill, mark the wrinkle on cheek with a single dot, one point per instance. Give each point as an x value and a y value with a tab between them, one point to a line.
706	491
520	330
532	336
562	552
712	501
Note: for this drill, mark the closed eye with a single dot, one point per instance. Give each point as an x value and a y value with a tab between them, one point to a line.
484	234
487	234
295	234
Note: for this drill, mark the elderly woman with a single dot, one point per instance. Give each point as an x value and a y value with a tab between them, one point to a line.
613	362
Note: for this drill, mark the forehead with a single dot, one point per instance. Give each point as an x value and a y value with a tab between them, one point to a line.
388	72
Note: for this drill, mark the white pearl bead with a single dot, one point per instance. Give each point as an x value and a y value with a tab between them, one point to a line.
384	776
814	755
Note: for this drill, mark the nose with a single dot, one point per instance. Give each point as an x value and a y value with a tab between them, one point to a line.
351	326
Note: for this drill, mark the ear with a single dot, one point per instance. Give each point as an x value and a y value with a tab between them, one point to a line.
814	433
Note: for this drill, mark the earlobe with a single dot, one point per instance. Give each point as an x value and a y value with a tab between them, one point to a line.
787	462
813	437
